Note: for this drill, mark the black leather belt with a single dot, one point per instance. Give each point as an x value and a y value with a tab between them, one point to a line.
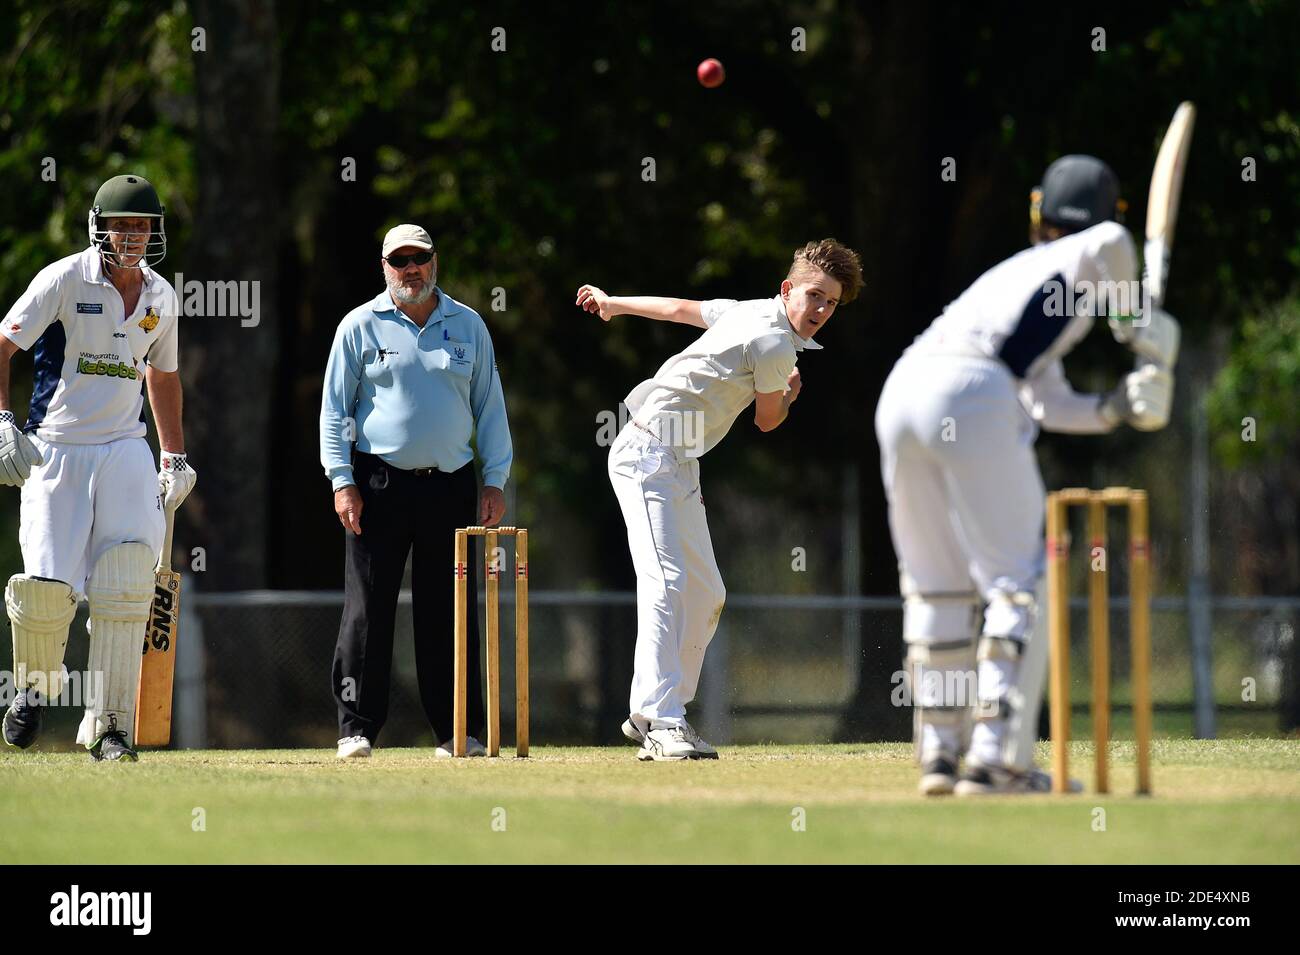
376	463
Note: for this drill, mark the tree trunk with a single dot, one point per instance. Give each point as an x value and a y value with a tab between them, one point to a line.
229	369
890	64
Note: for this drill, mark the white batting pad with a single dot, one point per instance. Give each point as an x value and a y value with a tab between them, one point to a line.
120	592
39	612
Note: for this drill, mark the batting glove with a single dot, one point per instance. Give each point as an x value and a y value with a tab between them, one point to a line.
1143	399
17	453
1153	337
175	479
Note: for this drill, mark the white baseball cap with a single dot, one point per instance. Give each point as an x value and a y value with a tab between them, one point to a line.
406	234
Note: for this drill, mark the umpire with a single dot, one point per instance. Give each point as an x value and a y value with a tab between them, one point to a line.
411	380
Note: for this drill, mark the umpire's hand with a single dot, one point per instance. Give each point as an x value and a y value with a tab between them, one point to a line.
347	505
491	506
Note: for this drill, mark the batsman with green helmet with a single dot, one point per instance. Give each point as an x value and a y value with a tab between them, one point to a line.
102	327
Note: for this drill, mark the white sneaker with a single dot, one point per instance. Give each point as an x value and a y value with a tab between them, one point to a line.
353	747
674	743
472	748
1002	781
938	776
633	731
704	749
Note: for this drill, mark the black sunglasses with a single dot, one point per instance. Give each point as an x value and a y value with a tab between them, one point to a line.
399	261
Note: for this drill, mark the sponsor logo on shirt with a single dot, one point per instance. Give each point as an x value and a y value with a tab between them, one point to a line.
90	308
150	320
110	366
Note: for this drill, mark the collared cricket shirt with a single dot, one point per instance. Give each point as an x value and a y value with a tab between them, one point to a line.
749	348
416	397
89	356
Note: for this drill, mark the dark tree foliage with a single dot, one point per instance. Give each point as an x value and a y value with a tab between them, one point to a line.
527	166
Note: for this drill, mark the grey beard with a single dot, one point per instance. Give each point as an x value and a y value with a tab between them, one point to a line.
417	297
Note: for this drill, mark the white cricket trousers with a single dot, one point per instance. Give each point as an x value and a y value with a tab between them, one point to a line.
679	591
84	499
957	457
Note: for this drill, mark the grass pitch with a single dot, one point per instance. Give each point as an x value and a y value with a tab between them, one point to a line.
1222	802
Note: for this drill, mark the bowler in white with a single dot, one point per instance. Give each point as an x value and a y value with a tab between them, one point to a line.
747	355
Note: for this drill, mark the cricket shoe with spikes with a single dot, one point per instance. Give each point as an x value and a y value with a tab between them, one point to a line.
22	722
446	749
674	743
112	745
938	776
1002	781
353	747
704	749
634	733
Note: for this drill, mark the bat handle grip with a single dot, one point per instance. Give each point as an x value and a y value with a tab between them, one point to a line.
165	558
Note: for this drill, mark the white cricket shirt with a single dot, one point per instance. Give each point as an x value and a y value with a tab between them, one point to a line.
748	348
1031	310
88	386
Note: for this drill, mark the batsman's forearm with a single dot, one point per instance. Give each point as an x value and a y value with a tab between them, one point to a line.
166	400
4	385
683	310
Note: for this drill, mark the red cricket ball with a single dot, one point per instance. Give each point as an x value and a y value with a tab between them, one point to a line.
710	73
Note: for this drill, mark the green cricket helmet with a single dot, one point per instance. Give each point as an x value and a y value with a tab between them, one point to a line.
128	196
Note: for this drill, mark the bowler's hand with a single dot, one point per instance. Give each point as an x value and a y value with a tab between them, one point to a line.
347	505
595	301
491	506
793	385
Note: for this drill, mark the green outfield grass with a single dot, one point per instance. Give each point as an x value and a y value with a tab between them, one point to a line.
1226	801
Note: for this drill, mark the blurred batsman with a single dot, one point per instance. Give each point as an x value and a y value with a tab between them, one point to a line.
411	392
957	421
103	324
746	356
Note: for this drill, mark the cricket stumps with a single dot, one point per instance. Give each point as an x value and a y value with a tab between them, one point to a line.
460	690
1058	603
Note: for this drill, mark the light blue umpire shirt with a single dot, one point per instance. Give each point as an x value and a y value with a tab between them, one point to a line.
417	396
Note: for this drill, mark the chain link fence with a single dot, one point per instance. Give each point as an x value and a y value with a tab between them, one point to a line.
253	668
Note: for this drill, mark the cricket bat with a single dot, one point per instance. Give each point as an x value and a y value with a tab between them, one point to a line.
1162	201
1162	210
153	706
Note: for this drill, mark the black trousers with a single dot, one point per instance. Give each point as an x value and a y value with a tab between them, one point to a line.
401	511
